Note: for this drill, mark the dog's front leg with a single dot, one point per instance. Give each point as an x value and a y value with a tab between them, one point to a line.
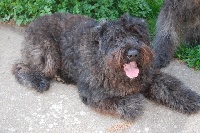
127	107
171	92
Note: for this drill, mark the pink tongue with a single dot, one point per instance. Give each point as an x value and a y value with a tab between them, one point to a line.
131	69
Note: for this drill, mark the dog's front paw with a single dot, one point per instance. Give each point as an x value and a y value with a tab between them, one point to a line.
130	107
191	104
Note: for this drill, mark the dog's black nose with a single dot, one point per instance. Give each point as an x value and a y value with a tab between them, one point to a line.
132	54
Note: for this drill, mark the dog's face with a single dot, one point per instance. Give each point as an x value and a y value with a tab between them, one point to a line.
125	45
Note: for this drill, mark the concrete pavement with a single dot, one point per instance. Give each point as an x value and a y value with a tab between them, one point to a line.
59	110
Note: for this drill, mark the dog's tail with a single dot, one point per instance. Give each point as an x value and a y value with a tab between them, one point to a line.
30	78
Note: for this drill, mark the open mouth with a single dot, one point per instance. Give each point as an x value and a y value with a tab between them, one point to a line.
131	69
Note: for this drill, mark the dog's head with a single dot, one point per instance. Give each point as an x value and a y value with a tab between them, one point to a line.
125	46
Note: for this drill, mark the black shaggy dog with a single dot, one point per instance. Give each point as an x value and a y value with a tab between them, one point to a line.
110	62
178	22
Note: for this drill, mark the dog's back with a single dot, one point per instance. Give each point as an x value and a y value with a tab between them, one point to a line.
41	51
52	26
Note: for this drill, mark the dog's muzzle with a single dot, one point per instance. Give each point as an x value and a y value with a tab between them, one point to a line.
132	54
130	67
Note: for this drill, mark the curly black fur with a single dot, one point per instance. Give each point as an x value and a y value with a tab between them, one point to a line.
93	55
178	22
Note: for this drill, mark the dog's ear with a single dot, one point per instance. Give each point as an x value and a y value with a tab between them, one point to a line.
147	55
137	26
97	31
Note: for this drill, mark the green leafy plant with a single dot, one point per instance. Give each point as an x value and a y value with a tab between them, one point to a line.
155	6
190	55
138	8
96	9
24	11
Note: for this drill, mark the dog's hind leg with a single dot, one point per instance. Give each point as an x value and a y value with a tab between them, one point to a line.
171	92
30	78
39	66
